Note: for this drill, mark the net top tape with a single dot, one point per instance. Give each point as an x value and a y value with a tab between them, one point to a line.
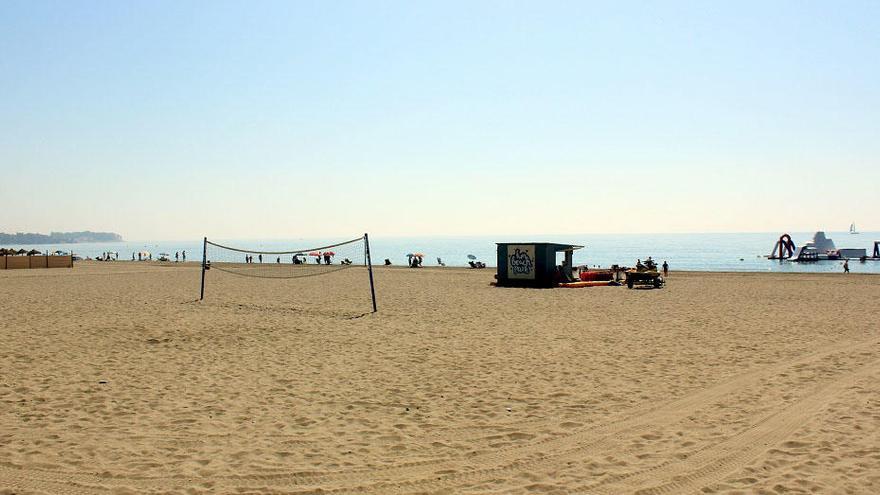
297	251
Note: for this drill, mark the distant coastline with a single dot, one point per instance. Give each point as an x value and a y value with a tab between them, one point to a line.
59	237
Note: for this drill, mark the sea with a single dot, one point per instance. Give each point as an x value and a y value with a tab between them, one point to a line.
715	252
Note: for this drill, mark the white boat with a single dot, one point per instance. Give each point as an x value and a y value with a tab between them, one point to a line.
852	228
822	248
821	243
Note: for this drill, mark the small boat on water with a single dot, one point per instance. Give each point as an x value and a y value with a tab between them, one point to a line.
819	249
852	228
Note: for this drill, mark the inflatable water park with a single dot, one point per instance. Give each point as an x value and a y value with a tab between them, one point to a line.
820	248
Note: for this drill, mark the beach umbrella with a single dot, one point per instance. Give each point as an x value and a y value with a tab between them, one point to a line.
471	257
21	251
331	253
33	252
315	253
409	255
419	254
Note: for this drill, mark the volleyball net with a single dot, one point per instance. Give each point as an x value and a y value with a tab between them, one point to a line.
287	264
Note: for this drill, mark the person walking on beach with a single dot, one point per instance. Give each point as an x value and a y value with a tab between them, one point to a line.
184	256
665	268
845	266
260	257
177	256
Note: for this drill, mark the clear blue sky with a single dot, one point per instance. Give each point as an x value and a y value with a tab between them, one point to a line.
173	120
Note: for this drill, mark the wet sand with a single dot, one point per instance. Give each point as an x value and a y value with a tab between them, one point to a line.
117	380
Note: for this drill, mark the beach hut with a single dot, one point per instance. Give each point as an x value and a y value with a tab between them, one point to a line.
532	264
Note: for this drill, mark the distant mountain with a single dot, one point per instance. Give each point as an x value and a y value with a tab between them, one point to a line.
59	237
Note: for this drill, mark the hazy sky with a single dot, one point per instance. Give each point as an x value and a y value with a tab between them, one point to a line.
173	120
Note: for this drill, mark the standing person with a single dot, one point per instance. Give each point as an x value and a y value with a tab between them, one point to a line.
326	259
845	266
665	268
184	256
278	260
132	256
177	256
260	257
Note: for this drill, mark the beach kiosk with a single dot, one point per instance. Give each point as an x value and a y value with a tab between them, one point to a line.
532	264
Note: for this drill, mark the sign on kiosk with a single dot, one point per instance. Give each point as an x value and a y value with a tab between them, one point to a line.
521	261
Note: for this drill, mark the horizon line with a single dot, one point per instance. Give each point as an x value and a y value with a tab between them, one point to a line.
404	236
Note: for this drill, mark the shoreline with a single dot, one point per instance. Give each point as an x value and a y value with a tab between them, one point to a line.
488	269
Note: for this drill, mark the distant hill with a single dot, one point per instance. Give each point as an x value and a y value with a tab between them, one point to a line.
59	237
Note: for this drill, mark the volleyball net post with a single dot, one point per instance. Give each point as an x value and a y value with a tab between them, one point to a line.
204	262
370	269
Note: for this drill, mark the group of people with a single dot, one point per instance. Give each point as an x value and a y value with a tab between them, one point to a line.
326	258
416	261
143	256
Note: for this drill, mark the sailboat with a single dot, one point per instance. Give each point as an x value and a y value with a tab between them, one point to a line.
852	228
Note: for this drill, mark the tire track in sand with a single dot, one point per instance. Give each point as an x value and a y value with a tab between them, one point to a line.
663	417
714	463
439	473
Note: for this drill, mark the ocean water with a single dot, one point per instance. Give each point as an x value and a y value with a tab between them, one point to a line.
744	252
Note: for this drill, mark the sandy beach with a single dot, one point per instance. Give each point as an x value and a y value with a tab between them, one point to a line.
117	380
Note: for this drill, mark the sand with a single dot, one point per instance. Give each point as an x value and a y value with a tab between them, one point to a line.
116	380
